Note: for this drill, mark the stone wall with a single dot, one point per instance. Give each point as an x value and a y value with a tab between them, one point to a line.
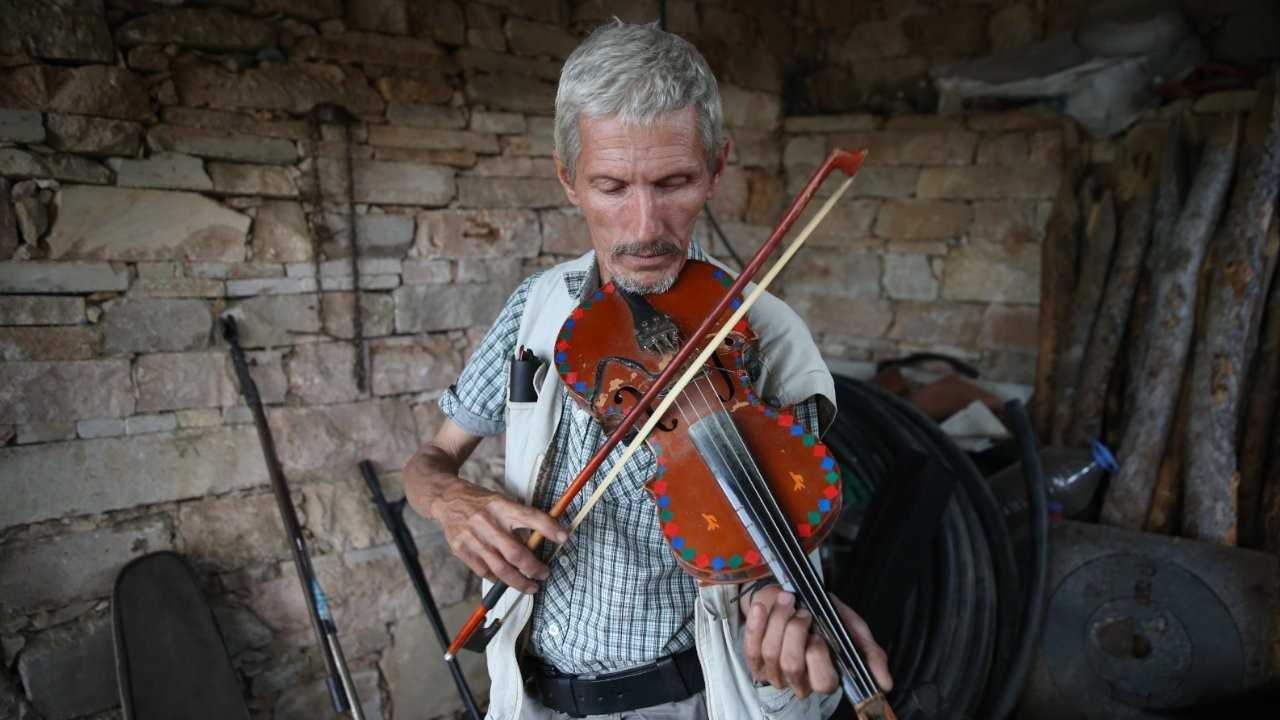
939	248
165	163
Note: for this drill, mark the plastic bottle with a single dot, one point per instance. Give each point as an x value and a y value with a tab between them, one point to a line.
1071	478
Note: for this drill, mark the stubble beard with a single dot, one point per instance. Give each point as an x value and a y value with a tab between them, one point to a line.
636	287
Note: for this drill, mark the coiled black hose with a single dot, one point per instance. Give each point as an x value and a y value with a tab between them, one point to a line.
962	647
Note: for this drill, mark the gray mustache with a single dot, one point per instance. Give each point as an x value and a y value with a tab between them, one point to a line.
656	247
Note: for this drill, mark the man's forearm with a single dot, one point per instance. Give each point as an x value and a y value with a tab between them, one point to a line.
429	476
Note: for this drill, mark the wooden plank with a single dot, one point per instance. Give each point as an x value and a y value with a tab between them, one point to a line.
1168	332
1220	364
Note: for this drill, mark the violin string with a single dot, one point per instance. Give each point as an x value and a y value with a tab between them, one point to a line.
771	521
694	364
806	582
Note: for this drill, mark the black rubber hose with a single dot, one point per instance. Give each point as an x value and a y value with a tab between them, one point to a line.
1006	695
965	642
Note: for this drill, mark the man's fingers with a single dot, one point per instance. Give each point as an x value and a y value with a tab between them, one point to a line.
876	657
540	522
791	659
508	573
823	675
775	629
521	558
751	640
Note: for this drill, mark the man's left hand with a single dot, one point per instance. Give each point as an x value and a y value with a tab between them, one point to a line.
783	650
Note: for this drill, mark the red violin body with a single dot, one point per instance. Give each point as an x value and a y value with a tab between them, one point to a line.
602	357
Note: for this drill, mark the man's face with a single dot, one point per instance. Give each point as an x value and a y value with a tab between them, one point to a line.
641	190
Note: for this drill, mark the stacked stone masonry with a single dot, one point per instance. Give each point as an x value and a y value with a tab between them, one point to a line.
165	163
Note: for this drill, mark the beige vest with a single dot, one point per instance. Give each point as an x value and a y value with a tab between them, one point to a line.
792	371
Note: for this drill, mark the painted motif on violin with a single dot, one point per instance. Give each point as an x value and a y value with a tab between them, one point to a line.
610	350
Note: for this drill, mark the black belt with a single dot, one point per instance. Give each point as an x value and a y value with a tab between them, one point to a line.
669	679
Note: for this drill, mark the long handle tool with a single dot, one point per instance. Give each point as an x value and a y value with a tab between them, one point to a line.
342	691
393	516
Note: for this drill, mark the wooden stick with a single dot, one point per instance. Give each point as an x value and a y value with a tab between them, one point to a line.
1166	496
1170	195
1210	508
1168	330
1165	513
1057	252
1112	316
1099	240
1260	423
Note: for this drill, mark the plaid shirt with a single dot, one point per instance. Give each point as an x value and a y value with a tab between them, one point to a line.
615	598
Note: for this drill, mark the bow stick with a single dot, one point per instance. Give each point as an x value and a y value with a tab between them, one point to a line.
848	162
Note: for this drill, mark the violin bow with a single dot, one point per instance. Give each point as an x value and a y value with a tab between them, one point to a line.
845	160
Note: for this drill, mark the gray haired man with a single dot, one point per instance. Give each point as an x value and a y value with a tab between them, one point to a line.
613	627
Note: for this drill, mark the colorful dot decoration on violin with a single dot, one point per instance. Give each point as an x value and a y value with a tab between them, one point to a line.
607	376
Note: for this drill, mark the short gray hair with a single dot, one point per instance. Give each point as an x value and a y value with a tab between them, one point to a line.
638	73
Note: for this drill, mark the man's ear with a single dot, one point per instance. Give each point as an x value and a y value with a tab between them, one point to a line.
717	170
562	174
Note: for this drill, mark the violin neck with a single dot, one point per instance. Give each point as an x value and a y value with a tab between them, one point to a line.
721	447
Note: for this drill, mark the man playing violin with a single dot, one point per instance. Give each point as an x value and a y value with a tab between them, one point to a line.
612	626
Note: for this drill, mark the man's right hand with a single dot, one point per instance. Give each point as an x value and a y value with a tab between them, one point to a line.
483	528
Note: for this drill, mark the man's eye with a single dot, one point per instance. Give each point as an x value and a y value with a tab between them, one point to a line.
674	182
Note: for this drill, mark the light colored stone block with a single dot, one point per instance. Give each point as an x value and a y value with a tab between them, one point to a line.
478	233
270	286
403	183
45	432
991	272
73	566
271	320
430	308
323	373
176	381
102	427
166	171
143	424
909	277
261	180
40	310
54	480
100	223
64	391
474	192
414	364
505	123
17	163
143	324
222	145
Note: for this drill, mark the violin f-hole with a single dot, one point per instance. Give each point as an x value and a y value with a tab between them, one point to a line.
636	394
725	375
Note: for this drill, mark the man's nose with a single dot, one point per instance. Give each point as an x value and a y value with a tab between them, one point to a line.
646	225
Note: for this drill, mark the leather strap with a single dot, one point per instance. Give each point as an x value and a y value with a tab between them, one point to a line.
669	679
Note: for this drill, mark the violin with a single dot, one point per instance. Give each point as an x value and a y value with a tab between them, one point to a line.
742	489
717	435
